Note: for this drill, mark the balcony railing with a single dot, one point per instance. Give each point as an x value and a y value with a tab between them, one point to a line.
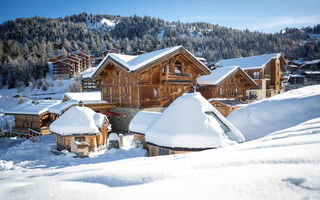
175	77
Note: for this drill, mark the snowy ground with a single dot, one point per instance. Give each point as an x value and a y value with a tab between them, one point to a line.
281	164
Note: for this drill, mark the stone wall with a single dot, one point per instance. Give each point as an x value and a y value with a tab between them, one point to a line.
120	124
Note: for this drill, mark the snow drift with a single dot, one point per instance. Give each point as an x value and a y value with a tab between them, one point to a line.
279	112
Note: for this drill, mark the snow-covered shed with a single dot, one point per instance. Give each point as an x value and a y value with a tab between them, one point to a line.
81	126
226	82
32	115
189	124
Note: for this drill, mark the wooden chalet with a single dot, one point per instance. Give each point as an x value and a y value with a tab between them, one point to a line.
266	70
106	52
81	130
68	66
138	52
189	124
226	106
32	116
153	79
226	82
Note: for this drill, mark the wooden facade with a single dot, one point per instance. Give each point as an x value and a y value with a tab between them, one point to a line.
25	122
94	141
67	66
234	86
155	85
224	107
155	150
269	77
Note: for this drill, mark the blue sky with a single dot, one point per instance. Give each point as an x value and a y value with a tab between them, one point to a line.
267	16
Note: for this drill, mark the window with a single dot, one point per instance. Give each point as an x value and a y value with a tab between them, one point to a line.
155	93
256	75
80	139
237	92
213	117
163	151
177	70
221	92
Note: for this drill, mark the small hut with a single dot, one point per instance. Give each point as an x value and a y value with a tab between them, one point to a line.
189	124
81	130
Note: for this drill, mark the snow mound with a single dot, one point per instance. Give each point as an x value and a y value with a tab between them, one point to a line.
77	120
279	112
192	122
142	120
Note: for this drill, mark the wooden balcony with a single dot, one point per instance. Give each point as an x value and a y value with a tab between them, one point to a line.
175	77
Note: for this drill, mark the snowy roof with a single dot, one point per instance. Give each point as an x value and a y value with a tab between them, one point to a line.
88	72
311	62
142	120
216	75
246	63
219	74
29	107
83	96
59	108
312	72
134	63
192	122
228	102
78	120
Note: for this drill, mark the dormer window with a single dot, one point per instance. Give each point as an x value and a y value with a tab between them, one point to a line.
213	117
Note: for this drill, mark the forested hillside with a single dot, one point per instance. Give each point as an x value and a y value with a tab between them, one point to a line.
27	43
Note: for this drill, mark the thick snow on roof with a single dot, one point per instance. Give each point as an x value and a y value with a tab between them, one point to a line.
186	124
59	108
30	108
217	75
311	62
142	120
83	96
77	120
133	63
246	63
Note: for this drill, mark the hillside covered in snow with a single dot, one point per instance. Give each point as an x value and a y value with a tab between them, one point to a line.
283	164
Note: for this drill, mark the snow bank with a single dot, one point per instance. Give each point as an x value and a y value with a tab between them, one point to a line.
187	123
260	169
279	112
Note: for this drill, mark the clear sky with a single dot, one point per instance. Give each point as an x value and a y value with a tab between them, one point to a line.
262	15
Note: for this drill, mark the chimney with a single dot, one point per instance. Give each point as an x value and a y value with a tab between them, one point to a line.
191	89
